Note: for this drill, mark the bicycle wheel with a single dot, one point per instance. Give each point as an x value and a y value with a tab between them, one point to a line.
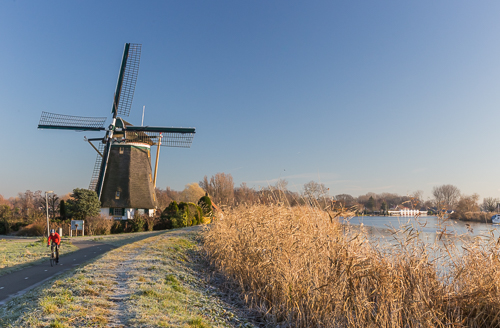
52	260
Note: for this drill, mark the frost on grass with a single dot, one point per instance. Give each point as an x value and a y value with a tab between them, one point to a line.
155	282
125	238
15	254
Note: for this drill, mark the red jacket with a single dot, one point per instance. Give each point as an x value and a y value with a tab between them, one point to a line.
55	238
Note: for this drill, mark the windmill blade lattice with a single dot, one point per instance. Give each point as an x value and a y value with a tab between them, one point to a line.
127	80
169	139
97	167
69	122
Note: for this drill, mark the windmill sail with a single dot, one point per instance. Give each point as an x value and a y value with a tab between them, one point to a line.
171	137
127	78
97	167
69	122
122	175
102	171
122	102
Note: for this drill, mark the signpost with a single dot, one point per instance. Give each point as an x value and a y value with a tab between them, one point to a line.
77	225
47	208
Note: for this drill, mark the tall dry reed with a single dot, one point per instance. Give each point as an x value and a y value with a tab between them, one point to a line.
301	268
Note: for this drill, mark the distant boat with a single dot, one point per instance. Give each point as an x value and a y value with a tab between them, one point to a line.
495	218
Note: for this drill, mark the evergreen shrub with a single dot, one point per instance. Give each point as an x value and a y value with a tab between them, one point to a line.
206	204
4	227
118	227
137	223
180	215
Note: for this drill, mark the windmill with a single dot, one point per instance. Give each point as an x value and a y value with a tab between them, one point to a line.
122	175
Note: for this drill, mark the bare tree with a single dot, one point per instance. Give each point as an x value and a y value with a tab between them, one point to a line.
281	185
315	190
165	197
278	193
162	198
191	193
150	221
29	203
53	201
427	204
245	195
468	203
446	196
360	207
220	188
318	192
173	194
345	199
4	201
490	204
417	199
392	200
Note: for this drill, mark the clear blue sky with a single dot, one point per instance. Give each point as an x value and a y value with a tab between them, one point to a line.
382	96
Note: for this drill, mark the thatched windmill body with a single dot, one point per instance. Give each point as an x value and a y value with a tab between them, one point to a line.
123	177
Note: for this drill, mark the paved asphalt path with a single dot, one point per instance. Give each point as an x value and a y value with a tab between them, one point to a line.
18	282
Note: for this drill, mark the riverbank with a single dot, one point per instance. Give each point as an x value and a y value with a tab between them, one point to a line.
483	217
299	268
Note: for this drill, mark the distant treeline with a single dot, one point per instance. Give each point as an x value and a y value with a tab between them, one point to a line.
28	207
223	192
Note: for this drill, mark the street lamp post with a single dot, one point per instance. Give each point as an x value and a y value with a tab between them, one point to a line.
47	208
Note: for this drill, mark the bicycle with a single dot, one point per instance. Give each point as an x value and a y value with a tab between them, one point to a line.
53	258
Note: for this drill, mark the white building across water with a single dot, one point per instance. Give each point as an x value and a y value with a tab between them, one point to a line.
407	212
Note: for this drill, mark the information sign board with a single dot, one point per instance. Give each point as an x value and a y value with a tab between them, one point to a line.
77	225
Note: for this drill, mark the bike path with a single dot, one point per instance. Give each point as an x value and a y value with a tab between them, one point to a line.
18	282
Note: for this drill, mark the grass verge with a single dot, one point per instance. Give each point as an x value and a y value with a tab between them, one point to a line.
123	238
154	282
17	254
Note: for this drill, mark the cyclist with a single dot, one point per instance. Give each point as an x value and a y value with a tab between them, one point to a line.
56	243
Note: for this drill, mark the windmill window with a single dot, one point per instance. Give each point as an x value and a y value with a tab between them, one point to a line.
117	195
121	150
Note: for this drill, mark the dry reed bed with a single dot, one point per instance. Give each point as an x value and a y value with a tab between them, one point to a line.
301	268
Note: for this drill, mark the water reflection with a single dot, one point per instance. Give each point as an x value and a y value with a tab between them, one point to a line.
442	238
431	227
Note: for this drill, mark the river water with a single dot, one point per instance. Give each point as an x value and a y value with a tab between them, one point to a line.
431	229
443	239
